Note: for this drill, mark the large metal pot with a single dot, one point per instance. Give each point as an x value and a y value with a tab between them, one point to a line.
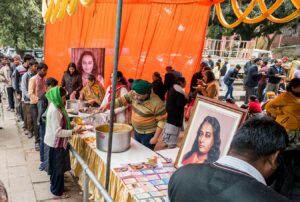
121	137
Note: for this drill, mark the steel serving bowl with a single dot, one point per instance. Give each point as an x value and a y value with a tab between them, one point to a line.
121	137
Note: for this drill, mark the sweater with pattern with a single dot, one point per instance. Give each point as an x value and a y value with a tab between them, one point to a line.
146	116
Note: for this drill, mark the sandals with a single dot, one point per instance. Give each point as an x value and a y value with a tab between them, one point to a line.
63	196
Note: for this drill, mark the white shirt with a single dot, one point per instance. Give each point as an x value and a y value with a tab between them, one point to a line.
243	166
120	112
53	128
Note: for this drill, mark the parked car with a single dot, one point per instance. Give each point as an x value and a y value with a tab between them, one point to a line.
10	52
37	53
264	54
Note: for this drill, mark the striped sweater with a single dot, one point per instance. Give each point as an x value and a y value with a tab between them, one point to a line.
147	116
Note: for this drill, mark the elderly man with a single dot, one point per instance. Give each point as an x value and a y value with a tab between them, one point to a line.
148	112
239	176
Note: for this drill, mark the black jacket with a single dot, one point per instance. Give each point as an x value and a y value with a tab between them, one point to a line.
72	83
159	89
194	80
271	74
224	69
252	77
169	80
175	107
211	183
247	65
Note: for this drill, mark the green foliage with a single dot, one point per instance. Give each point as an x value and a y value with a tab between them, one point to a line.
250	31
21	24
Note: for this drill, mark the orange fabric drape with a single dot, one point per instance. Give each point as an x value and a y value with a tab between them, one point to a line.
202	2
153	35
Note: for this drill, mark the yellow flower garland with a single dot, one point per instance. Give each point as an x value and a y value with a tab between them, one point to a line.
266	13
55	9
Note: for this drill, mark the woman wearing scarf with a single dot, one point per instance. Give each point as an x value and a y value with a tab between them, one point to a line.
92	92
121	90
58	130
176	100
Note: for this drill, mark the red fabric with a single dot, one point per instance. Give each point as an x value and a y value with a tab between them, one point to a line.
188	110
254	107
61	142
110	91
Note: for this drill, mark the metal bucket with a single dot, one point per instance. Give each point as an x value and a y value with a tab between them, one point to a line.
121	137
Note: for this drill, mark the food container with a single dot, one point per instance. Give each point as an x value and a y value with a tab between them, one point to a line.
73	106
121	137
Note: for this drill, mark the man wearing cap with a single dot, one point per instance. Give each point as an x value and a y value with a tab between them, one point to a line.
148	112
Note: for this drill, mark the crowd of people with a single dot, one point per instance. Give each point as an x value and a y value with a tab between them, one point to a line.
159	108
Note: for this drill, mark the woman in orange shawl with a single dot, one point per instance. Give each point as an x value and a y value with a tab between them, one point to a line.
93	92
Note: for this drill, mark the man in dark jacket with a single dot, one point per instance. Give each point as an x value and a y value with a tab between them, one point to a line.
223	73
176	101
275	74
239	176
170	77
247	65
252	78
229	78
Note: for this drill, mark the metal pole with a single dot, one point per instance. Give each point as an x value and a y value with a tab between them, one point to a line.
44	36
85	187
91	175
114	84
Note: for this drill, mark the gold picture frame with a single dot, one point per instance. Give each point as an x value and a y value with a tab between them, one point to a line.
220	120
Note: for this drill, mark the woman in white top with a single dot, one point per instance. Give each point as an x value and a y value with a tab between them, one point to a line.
121	90
58	130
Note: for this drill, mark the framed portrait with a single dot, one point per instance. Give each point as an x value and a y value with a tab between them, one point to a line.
89	61
210	131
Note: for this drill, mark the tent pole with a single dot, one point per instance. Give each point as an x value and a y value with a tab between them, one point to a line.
114	84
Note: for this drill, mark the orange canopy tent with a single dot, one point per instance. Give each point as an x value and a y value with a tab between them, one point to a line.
154	34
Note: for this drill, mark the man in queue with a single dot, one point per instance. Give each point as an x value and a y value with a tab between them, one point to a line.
148	112
239	176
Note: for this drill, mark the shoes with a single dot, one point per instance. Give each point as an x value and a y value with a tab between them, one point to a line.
12	110
42	166
37	147
1	127
30	135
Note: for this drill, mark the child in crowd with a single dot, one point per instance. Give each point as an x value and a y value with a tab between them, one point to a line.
254	108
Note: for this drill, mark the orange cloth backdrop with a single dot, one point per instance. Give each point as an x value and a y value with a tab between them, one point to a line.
154	34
